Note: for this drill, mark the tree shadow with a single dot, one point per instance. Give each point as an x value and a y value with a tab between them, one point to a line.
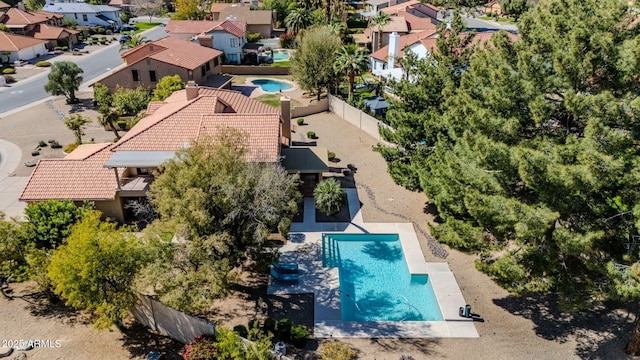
601	332
139	341
41	305
381	250
432	209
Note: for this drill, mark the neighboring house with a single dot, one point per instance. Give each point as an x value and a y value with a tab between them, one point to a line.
258	21
493	7
20	47
414	7
56	36
4	7
23	22
403	23
226	35
110	175
374	6
385	62
85	14
148	63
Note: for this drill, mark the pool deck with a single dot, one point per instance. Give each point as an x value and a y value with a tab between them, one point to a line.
304	247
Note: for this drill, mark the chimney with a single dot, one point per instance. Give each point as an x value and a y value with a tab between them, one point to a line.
285	114
205	40
394	50
20	6
192	90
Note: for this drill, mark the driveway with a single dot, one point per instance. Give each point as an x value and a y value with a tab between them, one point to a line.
10	186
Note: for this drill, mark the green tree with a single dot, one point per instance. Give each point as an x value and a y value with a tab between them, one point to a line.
130	101
329	196
298	19
530	155
514	8
95	268
311	65
76	123
109	117
64	79
14	238
101	95
51	221
34	5
167	86
188	10
380	20
5	28
224	208
351	61
282	8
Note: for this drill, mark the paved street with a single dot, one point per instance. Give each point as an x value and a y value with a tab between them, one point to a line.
95	64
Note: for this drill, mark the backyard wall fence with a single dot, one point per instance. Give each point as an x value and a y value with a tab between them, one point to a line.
357	118
320	106
170	322
254	70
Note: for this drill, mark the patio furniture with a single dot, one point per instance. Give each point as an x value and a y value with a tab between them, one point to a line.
283	277
285	268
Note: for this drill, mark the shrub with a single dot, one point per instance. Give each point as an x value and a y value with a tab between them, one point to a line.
241	330
299	336
103	41
65	48
270	325
69	148
202	347
311	134
35	153
253	37
331	155
122	124
43	64
42	143
130	101
108	32
337	351
283	227
329	196
287	41
9	79
57	48
254	323
55	144
284	329
9	71
300	121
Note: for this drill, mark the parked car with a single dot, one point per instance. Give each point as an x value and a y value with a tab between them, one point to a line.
128	28
124	38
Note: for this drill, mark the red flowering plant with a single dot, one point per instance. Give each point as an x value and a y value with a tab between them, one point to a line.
201	348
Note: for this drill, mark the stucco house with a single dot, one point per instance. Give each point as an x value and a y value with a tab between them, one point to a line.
227	36
493	7
42	25
20	47
258	21
86	14
148	63
111	174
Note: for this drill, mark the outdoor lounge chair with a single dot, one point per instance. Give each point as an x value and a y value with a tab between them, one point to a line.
285	268
283	277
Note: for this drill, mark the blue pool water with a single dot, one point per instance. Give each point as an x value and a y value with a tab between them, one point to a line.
280	55
270	85
375	283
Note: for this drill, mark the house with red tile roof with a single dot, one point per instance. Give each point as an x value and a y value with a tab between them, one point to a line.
227	36
42	25
110	175
402	22
20	47
150	62
258	21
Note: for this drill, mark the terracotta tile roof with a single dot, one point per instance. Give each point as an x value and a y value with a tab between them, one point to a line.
406	40
361	39
17	17
10	42
236	28
77	177
195	27
49	32
262	132
413	5
4	5
217	7
251	17
178	121
397	24
153	106
415	23
395	8
173	51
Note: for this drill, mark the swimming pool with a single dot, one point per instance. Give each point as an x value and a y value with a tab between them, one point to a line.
280	55
270	85
375	283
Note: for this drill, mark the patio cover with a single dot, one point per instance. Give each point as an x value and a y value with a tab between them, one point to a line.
391	74
313	159
138	159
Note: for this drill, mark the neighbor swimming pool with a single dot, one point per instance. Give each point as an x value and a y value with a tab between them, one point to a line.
270	85
375	283
280	55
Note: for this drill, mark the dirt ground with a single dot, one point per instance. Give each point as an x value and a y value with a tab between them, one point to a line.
514	328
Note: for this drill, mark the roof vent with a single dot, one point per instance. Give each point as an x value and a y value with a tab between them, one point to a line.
185	145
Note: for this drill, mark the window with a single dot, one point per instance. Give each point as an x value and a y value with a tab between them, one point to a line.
190	75
135	75
234	42
148	62
208	66
84	17
143	171
203	71
75	16
233	58
152	75
215	62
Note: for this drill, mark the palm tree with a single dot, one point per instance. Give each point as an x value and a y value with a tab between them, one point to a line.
297	20
380	20
134	41
352	61
108	118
